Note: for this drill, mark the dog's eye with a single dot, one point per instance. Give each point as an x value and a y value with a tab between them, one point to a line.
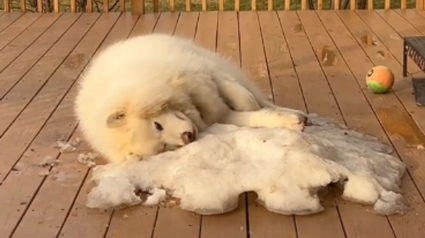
158	126
120	116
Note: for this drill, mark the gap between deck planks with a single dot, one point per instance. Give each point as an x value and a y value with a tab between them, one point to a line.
38	110
341	79
28	95
390	112
25	39
14	25
411	133
319	99
28	72
267	54
7	19
81	220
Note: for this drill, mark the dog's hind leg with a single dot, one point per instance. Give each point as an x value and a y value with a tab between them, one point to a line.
247	97
238	97
235	95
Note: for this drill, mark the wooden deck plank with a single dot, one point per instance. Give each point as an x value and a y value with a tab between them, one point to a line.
52	201
45	214
353	49
231	225
186	27
358	62
63	191
228	36
316	91
319	99
8	19
403	28
252	54
285	85
228	225
83	217
206	33
167	22
410	135
286	92
16	28
135	221
389	37
422	13
357	114
172	221
17	138
95	222
18	189
44	203
260	222
24	40
144	25
25	62
413	17
83	222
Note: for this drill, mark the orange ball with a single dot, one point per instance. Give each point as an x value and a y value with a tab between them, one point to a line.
379	79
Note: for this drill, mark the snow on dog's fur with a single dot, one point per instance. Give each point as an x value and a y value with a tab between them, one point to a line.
153	93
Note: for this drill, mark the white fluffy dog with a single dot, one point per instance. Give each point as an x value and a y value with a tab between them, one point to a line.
148	94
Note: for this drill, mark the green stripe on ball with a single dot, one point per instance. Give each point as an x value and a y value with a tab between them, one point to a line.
376	87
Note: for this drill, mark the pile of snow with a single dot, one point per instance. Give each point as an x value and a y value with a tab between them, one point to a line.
285	168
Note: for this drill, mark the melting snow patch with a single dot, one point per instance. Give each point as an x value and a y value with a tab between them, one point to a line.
64	147
285	168
87	159
48	161
67	147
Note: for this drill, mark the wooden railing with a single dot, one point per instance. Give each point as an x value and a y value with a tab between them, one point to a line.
141	6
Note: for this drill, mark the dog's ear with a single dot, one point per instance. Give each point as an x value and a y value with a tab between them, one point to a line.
116	119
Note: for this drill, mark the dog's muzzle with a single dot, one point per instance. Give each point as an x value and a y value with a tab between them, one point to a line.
188	137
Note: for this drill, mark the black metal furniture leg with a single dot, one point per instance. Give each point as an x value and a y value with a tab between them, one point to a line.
404	59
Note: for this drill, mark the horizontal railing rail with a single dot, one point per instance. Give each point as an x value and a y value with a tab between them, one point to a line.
143	6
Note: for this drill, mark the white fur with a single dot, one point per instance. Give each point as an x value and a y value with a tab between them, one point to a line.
171	81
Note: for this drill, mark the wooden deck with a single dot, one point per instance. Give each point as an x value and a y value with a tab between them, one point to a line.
41	57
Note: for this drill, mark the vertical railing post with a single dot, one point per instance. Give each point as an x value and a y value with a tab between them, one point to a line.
23	6
420	4
353	4
303	5
319	4
6	5
39	5
369	4
287	5
188	6
137	7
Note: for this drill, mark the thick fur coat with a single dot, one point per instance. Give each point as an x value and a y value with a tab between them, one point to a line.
153	93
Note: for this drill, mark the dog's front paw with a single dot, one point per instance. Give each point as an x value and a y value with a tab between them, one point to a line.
296	121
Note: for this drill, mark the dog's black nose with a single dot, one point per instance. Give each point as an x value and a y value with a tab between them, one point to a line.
188	137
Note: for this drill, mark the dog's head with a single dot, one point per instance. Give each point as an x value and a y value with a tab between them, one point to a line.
145	136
